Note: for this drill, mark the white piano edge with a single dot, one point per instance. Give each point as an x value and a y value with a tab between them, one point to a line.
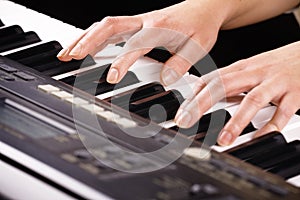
11	175
51	173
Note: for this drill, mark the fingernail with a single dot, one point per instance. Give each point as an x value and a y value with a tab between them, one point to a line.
169	76
62	53
76	50
184	119
113	75
185	103
225	138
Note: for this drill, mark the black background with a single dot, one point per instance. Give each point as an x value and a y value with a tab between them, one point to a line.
231	45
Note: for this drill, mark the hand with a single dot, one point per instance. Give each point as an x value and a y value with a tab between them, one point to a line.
273	76
188	30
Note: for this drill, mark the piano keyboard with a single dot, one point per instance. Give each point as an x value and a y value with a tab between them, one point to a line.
43	36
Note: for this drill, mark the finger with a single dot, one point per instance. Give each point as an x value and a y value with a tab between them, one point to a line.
148	38
139	44
210	93
239	65
63	55
187	54
102	31
284	112
173	69
250	105
120	66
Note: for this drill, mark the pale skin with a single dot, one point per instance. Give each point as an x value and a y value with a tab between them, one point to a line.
273	76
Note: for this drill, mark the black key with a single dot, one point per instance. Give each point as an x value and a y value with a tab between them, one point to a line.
10	30
204	125
162	55
159	54
129	79
69	80
57	67
18	40
97	87
273	157
94	81
123	99
256	146
87	76
168	101
1	23
47	64
289	168
36	54
200	129
42	59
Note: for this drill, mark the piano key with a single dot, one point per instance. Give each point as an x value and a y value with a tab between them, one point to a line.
147	90
94	81
162	55
103	86
276	154
59	67
288	168
35	53
18	40
294	180
40	62
290	132
46	27
206	130
87	76
257	146
272	157
159	107
10	30
159	54
43	58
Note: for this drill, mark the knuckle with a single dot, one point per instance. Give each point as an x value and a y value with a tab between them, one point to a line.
241	64
110	21
95	24
273	126
199	84
286	113
226	83
179	64
160	21
256	99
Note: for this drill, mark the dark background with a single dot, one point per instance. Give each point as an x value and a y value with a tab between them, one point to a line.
231	45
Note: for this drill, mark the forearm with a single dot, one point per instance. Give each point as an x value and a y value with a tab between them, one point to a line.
237	13
252	11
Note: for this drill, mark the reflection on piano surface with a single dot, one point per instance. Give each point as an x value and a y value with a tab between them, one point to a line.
31	40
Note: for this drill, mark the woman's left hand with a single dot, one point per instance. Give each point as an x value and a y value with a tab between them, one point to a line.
273	76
